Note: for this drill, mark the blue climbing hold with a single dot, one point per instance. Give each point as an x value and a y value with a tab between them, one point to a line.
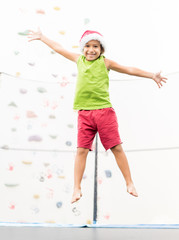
108	173
59	204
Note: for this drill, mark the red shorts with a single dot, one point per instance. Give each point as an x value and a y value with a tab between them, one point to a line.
103	121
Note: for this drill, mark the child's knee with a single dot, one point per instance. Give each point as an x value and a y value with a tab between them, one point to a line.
82	151
118	148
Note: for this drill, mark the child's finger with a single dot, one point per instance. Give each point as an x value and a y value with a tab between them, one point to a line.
29	36
30	31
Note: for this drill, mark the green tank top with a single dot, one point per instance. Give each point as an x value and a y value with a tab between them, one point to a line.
92	87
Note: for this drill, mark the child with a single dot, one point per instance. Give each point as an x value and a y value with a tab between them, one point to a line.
95	112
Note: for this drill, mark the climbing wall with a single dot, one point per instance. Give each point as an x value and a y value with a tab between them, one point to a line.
38	145
38	124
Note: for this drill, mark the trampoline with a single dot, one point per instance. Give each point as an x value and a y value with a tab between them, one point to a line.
89	232
32	157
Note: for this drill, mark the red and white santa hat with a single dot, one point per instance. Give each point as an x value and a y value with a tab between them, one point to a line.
91	35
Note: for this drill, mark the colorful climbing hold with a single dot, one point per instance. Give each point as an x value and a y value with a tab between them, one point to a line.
35	138
30	114
62	32
13	129
18	74
46	164
42	179
56	8
11	184
70	125
75	46
108	173
12	206
24	33
64	81
26	162
84	176
59	204
86	21
61	177
40	11
49	174
36	196
16	117
74	74
23	90
76	211
16	53
12	104
54	75
100	180
5	147
32	64
52	52
107	216
88	221
35	209
52	116
41	90
11	167
53	136
68	143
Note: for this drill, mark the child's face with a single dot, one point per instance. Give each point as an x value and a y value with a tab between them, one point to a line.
92	50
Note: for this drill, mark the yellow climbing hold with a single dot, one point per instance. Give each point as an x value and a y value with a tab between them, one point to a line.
88	221
75	46
27	162
61	177
56	8
62	32
50	221
18	74
36	196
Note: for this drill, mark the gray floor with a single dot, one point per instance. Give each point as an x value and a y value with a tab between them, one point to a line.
45	233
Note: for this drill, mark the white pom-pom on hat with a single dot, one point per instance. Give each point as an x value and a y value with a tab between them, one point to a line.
91	35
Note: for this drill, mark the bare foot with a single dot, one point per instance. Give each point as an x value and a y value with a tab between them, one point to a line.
131	189
76	195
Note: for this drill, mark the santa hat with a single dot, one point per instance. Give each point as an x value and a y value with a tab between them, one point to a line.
91	35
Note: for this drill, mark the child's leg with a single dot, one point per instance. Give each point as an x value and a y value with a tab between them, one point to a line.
80	163
122	163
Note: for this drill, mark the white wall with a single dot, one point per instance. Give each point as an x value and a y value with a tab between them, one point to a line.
148	125
138	33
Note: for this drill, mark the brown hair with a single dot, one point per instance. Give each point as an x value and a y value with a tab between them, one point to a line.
102	49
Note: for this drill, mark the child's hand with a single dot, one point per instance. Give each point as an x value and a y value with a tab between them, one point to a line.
159	79
34	35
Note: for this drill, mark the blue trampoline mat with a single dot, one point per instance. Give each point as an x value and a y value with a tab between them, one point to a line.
137	226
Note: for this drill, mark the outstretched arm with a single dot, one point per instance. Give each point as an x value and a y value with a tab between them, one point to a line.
136	72
52	44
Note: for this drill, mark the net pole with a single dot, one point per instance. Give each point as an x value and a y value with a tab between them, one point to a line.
95	182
